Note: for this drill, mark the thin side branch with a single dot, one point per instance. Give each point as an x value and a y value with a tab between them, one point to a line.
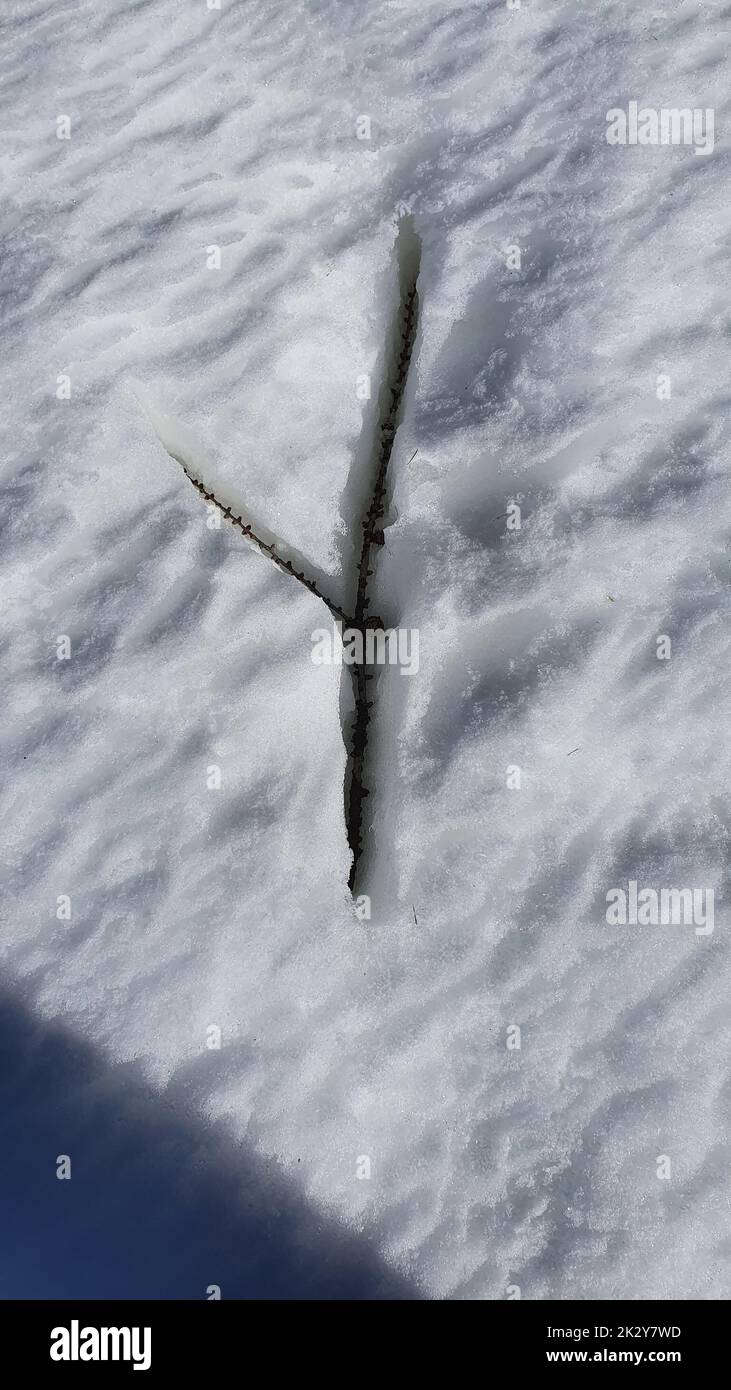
267	549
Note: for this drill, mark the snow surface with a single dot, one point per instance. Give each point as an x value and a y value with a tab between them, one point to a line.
193	907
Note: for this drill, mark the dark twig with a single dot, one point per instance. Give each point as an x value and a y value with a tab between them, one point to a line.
398	358
266	548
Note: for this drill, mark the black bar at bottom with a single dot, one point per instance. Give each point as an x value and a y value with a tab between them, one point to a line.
199	1338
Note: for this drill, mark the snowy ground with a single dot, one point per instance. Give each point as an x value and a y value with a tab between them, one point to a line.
193	907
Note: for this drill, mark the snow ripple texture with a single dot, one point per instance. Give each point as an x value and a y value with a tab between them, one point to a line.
193	907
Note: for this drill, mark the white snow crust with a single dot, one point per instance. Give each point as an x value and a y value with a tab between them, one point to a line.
341	1038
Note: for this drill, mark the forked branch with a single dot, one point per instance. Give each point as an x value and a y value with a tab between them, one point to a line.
368	529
